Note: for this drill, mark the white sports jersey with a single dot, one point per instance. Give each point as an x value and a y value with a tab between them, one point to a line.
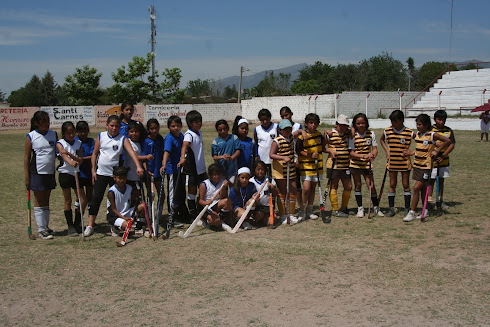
264	141
110	150
122	200
196	146
43	152
73	148
128	161
264	195
211	190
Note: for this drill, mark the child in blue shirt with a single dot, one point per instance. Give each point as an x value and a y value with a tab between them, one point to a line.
248	148
176	182
153	145
226	148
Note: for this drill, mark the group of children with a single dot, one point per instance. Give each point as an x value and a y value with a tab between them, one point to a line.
287	157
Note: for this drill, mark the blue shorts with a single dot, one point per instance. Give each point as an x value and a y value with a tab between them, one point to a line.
39	182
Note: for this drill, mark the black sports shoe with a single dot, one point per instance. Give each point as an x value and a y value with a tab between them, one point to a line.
72	231
50	231
391	212
177	224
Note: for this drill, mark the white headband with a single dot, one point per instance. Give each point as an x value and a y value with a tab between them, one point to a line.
243	120
243	170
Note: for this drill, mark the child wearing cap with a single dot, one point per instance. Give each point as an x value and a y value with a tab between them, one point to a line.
338	162
248	148
241	195
282	155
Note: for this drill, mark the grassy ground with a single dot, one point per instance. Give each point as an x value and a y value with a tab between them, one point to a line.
379	272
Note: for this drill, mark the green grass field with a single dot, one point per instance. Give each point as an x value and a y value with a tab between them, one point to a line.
378	272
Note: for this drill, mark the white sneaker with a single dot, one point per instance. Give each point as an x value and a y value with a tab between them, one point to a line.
313	216
378	212
283	219
410	216
115	231
425	215
226	227
293	220
360	212
89	231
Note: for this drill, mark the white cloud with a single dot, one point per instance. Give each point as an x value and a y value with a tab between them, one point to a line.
23	36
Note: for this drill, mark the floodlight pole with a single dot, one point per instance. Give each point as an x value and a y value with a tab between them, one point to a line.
240	83
336	105
401	95
367	96
439	101
483	97
151	9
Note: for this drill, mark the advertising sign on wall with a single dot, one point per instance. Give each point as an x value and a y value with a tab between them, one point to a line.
161	112
58	115
16	118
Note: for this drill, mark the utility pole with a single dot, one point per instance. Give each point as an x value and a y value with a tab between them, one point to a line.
151	9
240	83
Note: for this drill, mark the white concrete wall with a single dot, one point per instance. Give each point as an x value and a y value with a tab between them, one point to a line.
351	103
212	112
322	105
461	124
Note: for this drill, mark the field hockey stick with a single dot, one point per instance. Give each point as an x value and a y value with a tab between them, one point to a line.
286	200
249	207
152	198
438	200
422	216
170	219
382	185
128	226
147	216
327	190
77	183
370	187
205	209
29	217
322	202
270	224
159	209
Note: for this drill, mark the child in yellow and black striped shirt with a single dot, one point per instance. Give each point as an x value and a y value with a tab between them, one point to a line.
425	152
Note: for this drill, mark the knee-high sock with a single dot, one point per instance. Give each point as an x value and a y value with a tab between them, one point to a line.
391	199
38	214
69	217
358	195
46	216
334	200
345	199
408	198
292	203
280	205
374	199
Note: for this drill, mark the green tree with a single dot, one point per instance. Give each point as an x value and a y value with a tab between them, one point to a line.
428	72
314	79
467	67
29	95
230	92
134	84
83	87
384	73
198	88
272	85
411	71
48	90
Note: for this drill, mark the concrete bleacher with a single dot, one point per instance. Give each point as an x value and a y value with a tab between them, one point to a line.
461	91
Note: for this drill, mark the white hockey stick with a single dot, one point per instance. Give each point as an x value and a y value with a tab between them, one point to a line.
245	214
194	223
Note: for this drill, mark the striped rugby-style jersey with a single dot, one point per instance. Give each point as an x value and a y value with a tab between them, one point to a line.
362	144
279	167
447	132
397	142
424	146
341	145
313	144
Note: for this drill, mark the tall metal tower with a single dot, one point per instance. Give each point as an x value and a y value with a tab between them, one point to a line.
151	9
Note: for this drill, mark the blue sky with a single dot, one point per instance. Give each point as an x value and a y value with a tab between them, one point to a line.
212	39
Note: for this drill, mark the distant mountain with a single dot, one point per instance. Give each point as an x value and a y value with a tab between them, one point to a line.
483	65
249	81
